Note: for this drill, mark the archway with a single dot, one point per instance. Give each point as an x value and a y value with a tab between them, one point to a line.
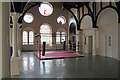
72	37
87	35
108	33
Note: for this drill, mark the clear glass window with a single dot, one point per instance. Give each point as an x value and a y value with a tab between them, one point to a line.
62	36
31	37
25	38
28	18
57	37
61	20
46	34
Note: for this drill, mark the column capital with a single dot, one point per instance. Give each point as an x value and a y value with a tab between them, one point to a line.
15	14
19	25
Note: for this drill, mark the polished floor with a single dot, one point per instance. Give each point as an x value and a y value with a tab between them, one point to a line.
80	67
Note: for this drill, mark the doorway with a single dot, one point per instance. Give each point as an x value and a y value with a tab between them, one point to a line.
108	49
90	44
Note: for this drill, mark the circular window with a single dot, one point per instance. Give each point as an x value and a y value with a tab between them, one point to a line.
46	9
61	20
28	18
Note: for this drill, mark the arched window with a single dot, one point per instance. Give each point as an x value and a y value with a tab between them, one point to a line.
62	36
46	34
28	37
46	9
25	38
31	37
57	37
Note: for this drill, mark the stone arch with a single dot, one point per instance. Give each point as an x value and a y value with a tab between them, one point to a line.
86	22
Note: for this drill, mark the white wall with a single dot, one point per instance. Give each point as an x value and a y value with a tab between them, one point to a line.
86	22
108	25
5	47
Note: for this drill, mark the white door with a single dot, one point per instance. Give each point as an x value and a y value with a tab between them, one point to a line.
108	45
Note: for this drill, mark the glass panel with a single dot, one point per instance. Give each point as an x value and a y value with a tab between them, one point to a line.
46	9
62	36
25	37
28	18
58	38
46	34
31	38
61	20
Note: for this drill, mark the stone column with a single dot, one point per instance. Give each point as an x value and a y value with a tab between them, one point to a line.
118	41
78	41
11	35
4	41
14	34
18	39
94	42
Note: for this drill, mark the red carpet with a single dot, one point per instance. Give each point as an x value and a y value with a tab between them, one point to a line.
55	55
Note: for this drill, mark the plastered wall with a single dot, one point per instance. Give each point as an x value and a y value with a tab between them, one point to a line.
108	25
5	46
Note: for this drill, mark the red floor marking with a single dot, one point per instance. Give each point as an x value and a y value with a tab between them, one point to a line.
55	55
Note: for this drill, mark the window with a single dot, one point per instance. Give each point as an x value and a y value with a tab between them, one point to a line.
46	9
61	20
58	38
28	18
46	34
62	36
31	38
25	37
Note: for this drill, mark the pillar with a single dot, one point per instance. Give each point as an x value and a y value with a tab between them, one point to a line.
10	34
18	39
78	41
4	41
14	34
94	42
15	57
118	41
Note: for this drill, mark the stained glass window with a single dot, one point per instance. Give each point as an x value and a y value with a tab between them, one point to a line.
25	37
46	9
46	34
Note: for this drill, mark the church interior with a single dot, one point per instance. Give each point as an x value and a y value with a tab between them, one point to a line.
59	39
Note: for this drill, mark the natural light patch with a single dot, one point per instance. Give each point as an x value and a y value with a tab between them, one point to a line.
28	18
46	9
25	37
62	36
61	20
57	37
46	34
31	37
